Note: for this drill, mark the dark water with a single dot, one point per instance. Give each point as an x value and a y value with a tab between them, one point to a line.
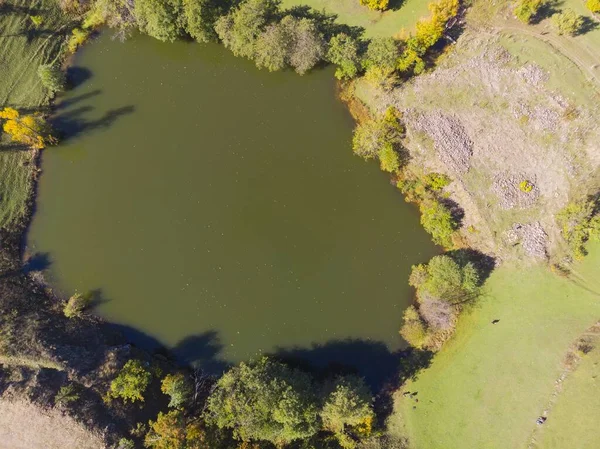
218	209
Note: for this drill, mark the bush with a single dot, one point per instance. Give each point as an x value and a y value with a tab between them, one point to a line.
593	5
414	329
528	10
265	400
580	222
388	158
66	394
131	383
525	186
78	38
347	411
52	78
126	443
377	5
439	315
76	305
567	22
444	279
438	221
179	388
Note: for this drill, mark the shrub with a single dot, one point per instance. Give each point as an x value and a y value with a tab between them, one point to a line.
78	37
52	77
343	52
347	411
179	388
436	181
131	383
76	305
265	400
414	329
593	5
525	186
37	21
567	22
528	10
443	278
67	394
437	220
126	443
31	130
439	315
377	5
388	158
580	222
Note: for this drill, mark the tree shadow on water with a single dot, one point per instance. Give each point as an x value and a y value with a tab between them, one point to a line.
71	124
201	351
37	262
76	76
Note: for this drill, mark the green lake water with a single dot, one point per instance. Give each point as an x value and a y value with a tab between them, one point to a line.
218	209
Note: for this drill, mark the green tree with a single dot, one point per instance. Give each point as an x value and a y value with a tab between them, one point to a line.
271	49
308	46
76	305
580	222
381	58
443	278
131	382
388	158
116	14
265	400
438	221
52	77
240	29
159	18
179	387
528	10
347	411
593	5
567	22
200	17
343	52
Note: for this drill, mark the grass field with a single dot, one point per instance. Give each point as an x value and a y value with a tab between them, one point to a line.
23	48
486	388
573	422
403	14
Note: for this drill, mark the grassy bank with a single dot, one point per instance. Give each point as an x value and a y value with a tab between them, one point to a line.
487	387
402	15
24	47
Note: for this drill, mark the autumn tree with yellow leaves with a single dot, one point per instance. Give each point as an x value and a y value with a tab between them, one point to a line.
30	130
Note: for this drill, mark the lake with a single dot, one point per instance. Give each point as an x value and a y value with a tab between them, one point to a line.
218	210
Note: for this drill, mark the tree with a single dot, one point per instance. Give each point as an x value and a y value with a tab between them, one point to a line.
308	45
200	17
173	431
579	222
377	5
438	314
131	383
373	138
52	77
347	410
265	400
413	329
528	10
568	22
179	388
438	221
343	52
77	38
271	50
593	5
30	130
159	18
380	59
444	279
240	29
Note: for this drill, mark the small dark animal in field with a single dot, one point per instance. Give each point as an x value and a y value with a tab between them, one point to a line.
541	420
495	321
